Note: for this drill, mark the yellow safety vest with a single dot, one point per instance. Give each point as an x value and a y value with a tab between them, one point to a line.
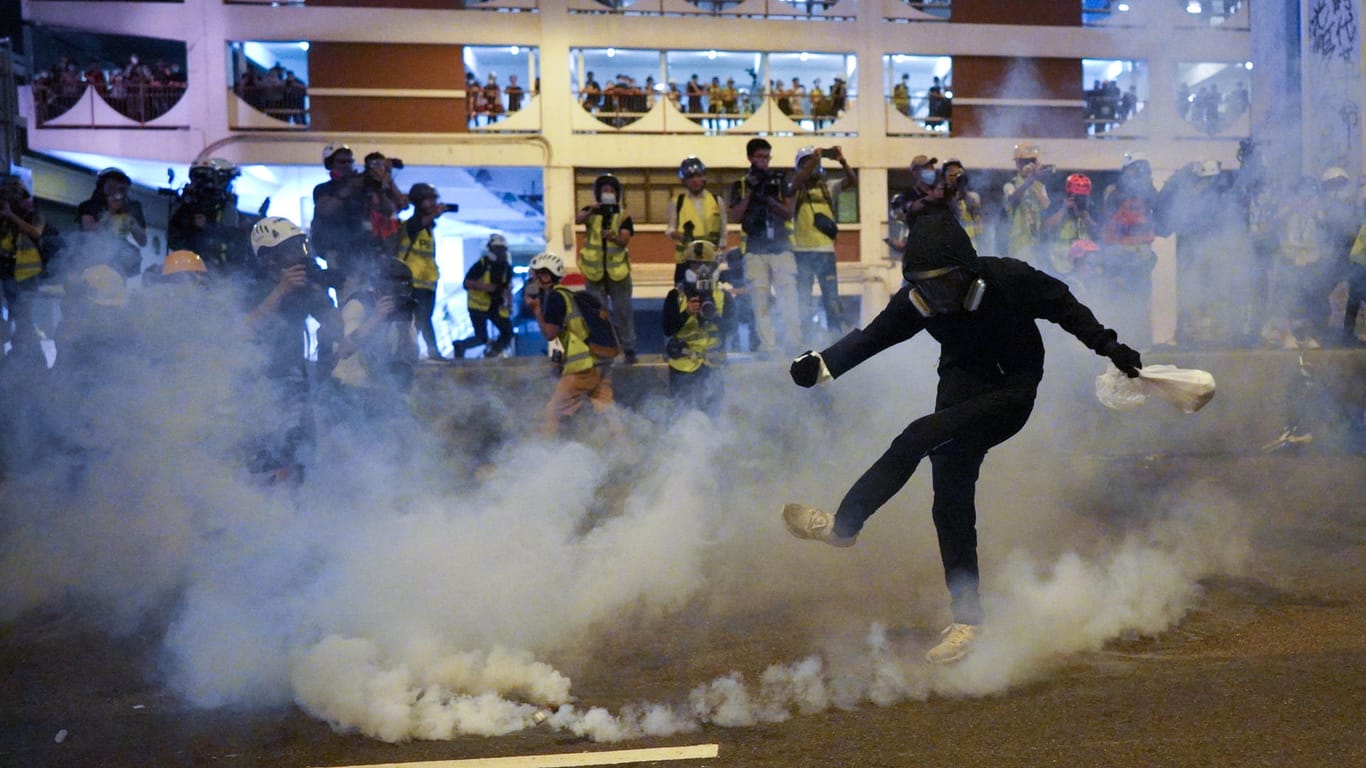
596	250
28	261
420	256
702	337
480	301
805	236
708	227
574	336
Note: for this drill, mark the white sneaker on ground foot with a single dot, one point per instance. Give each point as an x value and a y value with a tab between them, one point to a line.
956	643
810	523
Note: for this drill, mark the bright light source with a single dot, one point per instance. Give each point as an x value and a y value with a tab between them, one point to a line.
516	49
1193	6
611	53
1122	8
711	55
898	58
303	45
1247	65
803	56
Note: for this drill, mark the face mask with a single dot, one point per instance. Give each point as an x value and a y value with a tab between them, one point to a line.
608	198
926	177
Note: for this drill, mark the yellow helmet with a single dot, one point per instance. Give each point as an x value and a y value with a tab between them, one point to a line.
1026	152
182	261
104	286
701	250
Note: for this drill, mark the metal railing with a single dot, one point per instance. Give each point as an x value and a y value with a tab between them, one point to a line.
140	102
287	103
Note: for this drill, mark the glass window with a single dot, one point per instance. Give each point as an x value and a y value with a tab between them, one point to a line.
1213	97
1114	91
499	80
921	88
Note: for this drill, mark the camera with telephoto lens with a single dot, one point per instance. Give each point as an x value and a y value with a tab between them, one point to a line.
699	281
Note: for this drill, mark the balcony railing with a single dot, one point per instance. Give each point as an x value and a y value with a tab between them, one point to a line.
84	105
285	103
664	115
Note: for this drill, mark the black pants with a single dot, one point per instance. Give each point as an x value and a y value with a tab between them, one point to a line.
422	318
969	419
1356	293
480	321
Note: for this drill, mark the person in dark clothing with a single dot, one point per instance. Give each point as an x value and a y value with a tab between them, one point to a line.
983	313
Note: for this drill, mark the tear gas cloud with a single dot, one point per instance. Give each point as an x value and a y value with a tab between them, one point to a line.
403	594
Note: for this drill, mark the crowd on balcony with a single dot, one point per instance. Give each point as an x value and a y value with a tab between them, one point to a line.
489	102
1208	109
138	90
276	91
1107	106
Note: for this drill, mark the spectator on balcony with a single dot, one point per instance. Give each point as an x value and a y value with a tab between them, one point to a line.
695	92
493	98
901	95
295	92
591	93
515	94
474	95
796	97
839	97
1128	103
674	96
819	105
730	100
714	91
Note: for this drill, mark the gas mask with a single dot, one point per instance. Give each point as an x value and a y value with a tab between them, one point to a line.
945	291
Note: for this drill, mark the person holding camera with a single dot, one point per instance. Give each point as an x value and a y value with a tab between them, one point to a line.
813	233
488	286
22	231
339	216
760	202
383	201
1025	201
1070	233
696	320
583	375
604	260
966	204
697	214
417	249
114	226
376	352
205	220
291	288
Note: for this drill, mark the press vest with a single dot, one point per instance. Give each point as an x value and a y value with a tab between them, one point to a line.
481	301
28	261
596	251
420	256
574	336
707	228
805	236
702	337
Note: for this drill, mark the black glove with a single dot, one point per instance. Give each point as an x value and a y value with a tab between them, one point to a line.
806	369
1125	359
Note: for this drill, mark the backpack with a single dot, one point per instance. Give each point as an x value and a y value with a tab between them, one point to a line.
602	336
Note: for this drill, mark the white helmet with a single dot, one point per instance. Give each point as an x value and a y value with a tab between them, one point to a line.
495	240
273	231
332	149
548	261
802	154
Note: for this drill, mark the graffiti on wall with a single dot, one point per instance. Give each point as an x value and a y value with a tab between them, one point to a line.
1333	81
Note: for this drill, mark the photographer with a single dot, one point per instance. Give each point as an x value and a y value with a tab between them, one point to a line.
339	215
205	219
760	202
489	290
814	231
376	352
1025	201
604	260
417	249
697	214
696	320
383	201
1070	233
109	219
966	204
21	266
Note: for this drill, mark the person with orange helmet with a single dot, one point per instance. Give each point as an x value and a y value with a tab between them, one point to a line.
1070	232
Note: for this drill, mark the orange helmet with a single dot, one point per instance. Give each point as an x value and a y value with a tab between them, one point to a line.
1078	184
182	261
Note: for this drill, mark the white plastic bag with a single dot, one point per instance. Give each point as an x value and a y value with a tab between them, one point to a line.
1188	389
1118	392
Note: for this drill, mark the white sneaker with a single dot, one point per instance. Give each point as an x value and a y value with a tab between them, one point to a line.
955	644
810	523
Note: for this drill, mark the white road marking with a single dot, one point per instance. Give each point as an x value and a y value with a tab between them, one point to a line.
565	759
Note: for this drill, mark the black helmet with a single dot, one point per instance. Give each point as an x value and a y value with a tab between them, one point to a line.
421	191
605	180
690	166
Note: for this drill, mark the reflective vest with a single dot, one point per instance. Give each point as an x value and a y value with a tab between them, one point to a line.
805	237
708	227
1073	228
28	261
1026	219
596	250
702	337
967	218
481	301
574	336
420	256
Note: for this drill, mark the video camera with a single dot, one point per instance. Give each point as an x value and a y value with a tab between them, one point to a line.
325	278
767	183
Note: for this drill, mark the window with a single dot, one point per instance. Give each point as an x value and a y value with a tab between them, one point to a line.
1114	90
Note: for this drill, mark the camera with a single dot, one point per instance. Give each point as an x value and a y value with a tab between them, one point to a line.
608	210
449	208
770	183
699	281
396	163
325	278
